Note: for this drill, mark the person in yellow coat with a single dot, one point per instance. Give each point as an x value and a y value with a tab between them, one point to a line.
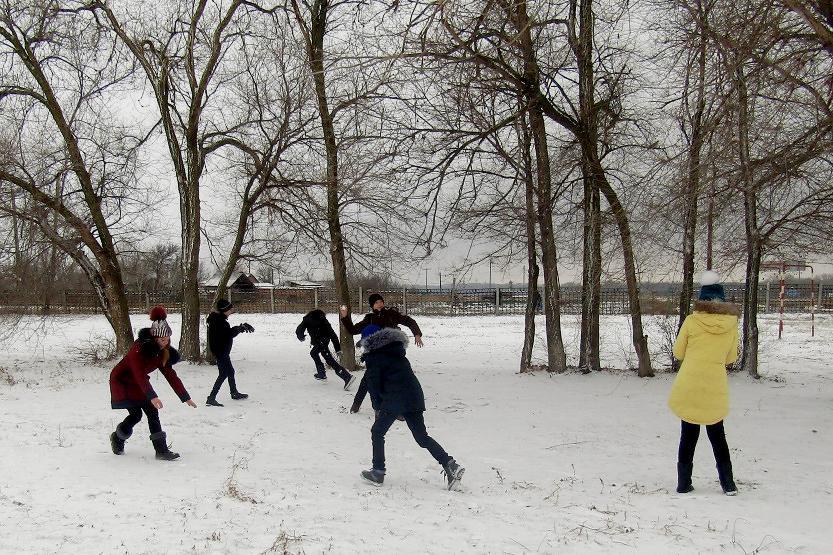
706	344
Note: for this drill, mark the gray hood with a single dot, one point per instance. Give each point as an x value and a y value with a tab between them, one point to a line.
382	338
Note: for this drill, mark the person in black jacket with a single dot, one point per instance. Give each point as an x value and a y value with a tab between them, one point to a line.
382	317
320	334
220	338
395	390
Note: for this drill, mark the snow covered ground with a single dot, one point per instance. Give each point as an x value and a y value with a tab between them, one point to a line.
555	463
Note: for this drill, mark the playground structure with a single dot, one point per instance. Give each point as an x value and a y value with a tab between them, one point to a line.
783	267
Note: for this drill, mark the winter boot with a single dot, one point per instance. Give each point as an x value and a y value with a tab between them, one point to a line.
212	402
354	408
684	477
453	472
117	440
236	395
160	444
727	481
320	376
348	383
375	477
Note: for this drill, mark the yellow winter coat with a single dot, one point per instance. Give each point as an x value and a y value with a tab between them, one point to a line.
707	342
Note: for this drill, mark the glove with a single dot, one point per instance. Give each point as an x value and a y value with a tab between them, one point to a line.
302	338
247	328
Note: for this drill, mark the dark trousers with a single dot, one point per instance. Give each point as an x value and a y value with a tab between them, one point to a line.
361	392
323	350
689	433
226	371
416	423
134	416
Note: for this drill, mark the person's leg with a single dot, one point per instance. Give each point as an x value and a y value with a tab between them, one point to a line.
228	371
320	371
377	436
157	436
689	433
717	437
221	377
360	394
340	371
124	430
416	423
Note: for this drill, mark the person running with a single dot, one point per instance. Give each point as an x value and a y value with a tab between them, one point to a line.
383	317
706	344
130	386
395	390
220	339
321	332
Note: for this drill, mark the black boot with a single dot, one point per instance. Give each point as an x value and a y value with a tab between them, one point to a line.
236	395
684	477
727	481
117	440
212	402
453	472
375	477
160	444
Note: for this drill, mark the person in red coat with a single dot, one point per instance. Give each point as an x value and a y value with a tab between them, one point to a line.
130	384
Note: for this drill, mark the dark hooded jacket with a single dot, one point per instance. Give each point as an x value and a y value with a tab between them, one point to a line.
220	334
130	379
320	330
391	382
385	318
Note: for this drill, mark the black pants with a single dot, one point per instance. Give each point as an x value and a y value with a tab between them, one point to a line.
226	371
689	434
324	350
416	423
134	416
361	392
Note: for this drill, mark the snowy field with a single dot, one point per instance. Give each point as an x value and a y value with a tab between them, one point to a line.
555	463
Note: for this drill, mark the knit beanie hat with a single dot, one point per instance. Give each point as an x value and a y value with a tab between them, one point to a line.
159	327
710	287
371	300
224	305
367	332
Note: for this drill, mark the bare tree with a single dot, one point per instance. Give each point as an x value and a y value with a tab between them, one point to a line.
183	61
63	150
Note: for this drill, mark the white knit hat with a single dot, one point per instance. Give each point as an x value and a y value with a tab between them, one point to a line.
709	277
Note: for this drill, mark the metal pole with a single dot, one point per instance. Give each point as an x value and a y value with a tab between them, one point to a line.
426	280
497	300
490	273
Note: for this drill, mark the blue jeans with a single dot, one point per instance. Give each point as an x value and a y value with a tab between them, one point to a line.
416	423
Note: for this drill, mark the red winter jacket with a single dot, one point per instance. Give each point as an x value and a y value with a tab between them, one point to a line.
130	379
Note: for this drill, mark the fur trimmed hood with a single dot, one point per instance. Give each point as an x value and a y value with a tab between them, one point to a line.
716	307
383	338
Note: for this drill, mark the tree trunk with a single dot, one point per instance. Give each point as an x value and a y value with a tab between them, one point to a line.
189	343
591	279
531	251
556	357
692	183
315	48
754	250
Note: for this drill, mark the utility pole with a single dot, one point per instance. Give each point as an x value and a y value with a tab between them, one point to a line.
490	272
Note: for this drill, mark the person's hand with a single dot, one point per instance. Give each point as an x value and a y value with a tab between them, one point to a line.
302	338
343	310
246	327
418	340
191	403
156	402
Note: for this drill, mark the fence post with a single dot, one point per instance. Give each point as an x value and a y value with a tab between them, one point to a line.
361	298
497	299
272	298
315	297
767	297
404	302
818	305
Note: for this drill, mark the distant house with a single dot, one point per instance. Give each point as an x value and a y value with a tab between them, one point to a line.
239	281
302	284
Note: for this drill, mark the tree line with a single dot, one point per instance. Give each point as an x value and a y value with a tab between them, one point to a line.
649	138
